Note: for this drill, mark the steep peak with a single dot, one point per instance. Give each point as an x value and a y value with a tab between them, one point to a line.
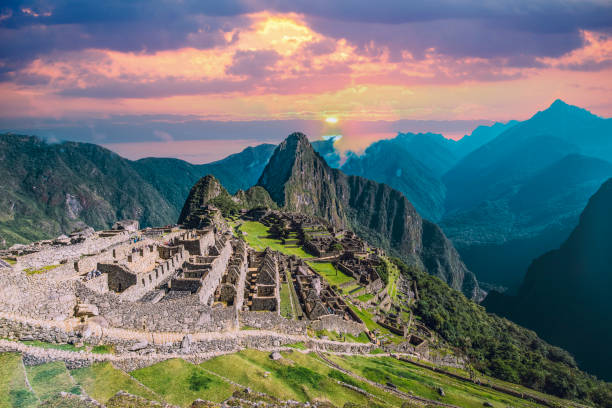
561	110
205	190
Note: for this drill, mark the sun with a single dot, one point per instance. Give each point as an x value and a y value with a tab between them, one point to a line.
331	119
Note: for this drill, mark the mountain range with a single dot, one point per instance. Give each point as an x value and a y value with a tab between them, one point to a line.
50	189
565	296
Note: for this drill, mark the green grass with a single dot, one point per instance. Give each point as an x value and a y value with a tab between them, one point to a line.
42	344
180	382
362	338
101	381
13	389
393	276
422	382
257	236
297	376
30	271
9	261
299	345
285	301
365	297
330	273
51	378
103	349
368	320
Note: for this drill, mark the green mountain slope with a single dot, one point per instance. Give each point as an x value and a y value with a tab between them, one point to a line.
50	189
565	295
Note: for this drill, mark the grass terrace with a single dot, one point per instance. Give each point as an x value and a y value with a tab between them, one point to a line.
180	382
257	235
333	276
31	271
425	383
297	376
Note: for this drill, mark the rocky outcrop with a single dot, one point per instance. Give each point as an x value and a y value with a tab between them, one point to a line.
299	180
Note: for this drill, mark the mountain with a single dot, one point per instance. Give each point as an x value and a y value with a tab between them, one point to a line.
298	179
565	296
50	189
481	136
412	163
520	194
209	190
394	162
173	177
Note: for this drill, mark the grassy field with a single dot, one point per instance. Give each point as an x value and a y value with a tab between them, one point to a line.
257	236
101	381
285	301
365	297
180	382
422	382
297	376
14	391
330	273
49	379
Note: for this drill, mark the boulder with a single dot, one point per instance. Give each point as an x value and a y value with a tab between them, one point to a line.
186	343
276	356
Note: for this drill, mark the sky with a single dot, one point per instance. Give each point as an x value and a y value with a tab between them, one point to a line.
201	79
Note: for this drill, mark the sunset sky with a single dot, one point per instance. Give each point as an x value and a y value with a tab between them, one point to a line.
201	79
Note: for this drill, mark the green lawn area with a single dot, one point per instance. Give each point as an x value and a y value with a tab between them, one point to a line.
257	237
365	297
30	271
180	382
9	261
101	381
330	273
51	378
13	389
332	335
422	382
393	276
368	320
297	376
285	301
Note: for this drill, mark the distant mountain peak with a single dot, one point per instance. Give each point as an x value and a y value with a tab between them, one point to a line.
559	107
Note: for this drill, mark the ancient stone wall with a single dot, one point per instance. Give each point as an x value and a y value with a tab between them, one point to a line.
185	314
272	321
338	324
217	269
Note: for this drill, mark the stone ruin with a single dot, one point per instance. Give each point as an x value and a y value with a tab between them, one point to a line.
262	288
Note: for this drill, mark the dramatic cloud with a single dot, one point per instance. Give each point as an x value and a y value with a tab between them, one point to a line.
80	62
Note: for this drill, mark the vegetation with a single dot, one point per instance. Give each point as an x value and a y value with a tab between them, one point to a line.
30	271
101	381
13	389
333	275
426	383
180	382
257	235
500	348
51	378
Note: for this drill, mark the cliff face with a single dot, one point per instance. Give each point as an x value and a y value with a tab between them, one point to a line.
298	179
565	296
